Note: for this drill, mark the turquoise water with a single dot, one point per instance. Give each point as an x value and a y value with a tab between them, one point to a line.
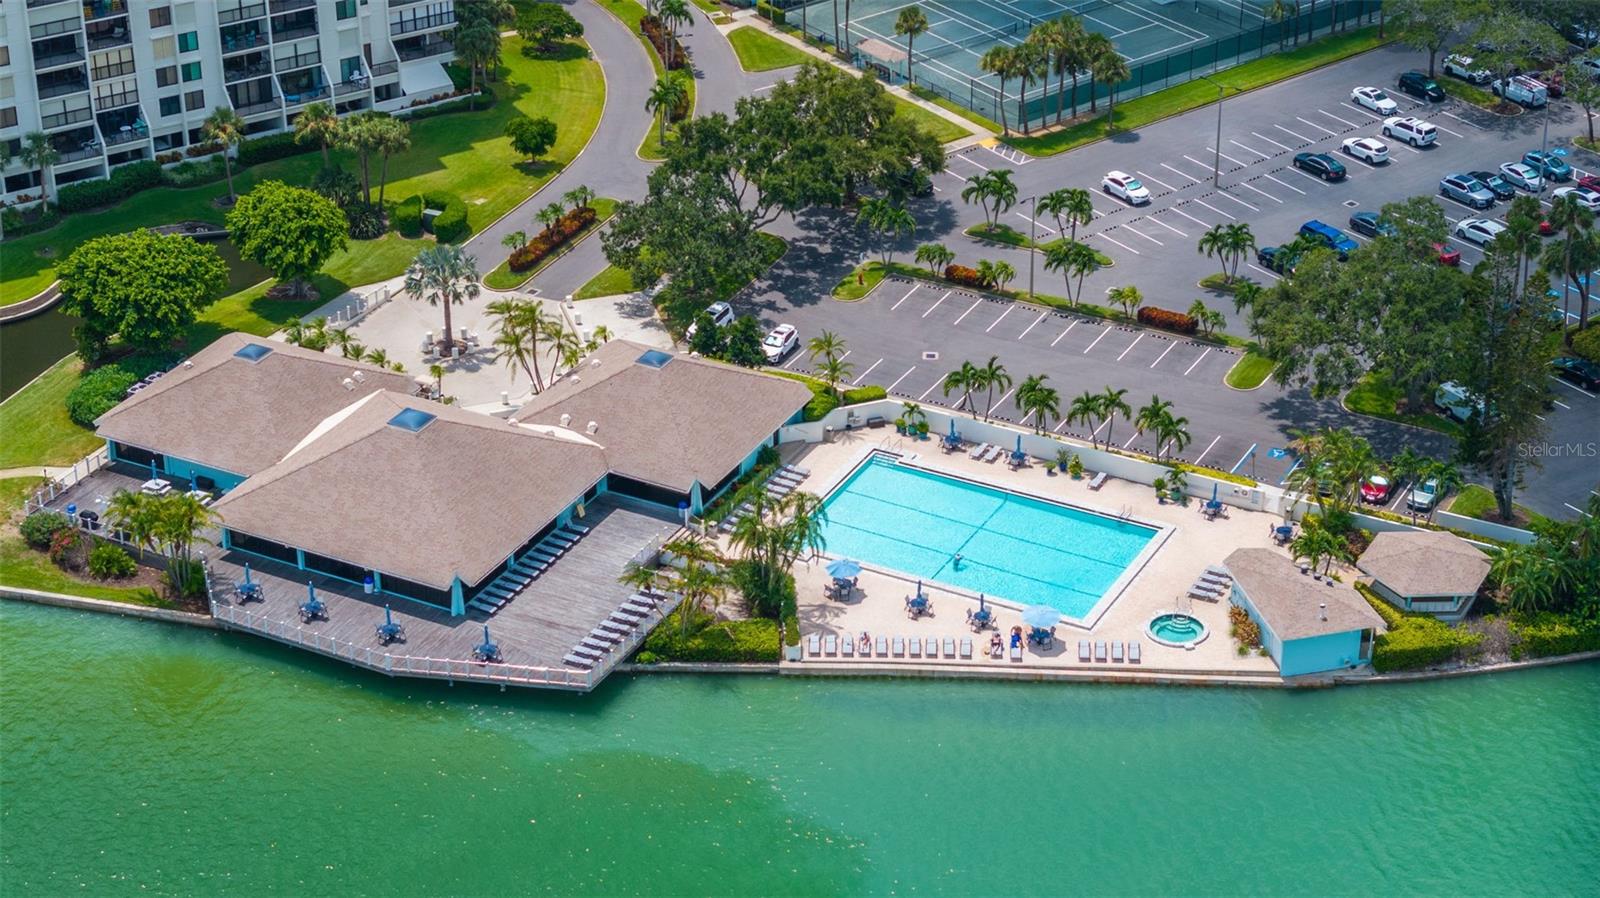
147	759
1023	549
1171	629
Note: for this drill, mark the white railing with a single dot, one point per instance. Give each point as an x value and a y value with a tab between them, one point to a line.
358	308
53	488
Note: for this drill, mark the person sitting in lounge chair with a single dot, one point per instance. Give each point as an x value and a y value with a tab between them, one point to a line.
997	645
1016	637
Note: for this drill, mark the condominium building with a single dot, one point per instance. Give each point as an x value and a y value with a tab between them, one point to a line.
117	81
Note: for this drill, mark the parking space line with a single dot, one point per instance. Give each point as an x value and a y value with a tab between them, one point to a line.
1064	333
1031	326
1292	134
1469	124
974	305
1136	435
1562	404
1131	345
1342	121
1290	186
1208	448
1227	157
1305	174
1239	201
1197	362
1407	146
1190	217
1103	425
1000	319
1060	425
1035	223
1129	229
1118	242
964	158
1262	270
1243	458
890	388
1153	220
928	390
1317	126
1574	386
1448	131
1271	141
1163	354
1250	149
1204	166
1576	509
1152	180
1361	109
1002	400
1097	340
866	372
914	288
1350	158
1169	168
1262	192
1215	209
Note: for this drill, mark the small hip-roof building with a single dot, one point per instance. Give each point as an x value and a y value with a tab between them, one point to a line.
1308	625
1426	571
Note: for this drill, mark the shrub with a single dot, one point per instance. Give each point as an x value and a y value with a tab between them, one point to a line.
272	146
451	223
486	100
1166	319
168	158
69	548
123	183
97	392
722	642
193	174
40	218
666	46
961	274
38	530
407	216
550	239
1415	641
108	561
771	13
1585	343
366	220
1545	634
202	149
337	184
760	599
1243	628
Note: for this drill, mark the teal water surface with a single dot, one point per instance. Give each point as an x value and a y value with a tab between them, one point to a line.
141	758
1012	546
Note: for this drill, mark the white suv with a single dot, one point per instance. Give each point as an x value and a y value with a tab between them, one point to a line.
1410	129
721	315
1462	67
783	340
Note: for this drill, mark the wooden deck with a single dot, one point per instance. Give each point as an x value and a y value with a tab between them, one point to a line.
535	630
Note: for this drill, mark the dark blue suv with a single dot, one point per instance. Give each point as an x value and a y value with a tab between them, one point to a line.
1331	237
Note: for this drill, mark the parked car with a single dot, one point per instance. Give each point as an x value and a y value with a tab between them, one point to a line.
1586	197
1423	496
1376	489
1320	164
1375	99
1448	255
1466	189
1590	181
1548	164
1500	187
783	340
1592	66
1479	230
1522	90
1331	237
1458	66
1273	258
1410	129
1522	175
721	315
1125	187
1454	400
1371	149
1370	225
1579	35
1582	372
1419	85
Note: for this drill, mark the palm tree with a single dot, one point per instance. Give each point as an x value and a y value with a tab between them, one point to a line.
521	324
1038	400
911	22
1527	577
980	188
1449	479
179	519
444	275
666	95
825	345
1066	42
550	215
1574	223
437	373
1111	69
1030	61
225	127
1111	405
1315	544
887	220
700	583
640	578
775	533
1153	415
1277	11
1128	297
579	197
966	379
1214	244
515	240
319	123
997	61
477	44
1074	260
1238	242
834	370
995	187
1001	273
1095	46
134	514
391	135
935	256
1086	409
1172	434
990	376
673	13
38	152
1070	206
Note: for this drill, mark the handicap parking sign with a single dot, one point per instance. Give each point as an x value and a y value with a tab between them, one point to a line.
1559	151
1277	453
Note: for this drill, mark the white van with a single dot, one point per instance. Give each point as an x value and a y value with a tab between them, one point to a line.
1521	89
1455	401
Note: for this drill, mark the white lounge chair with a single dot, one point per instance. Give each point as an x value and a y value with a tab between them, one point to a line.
1016	653
578	661
966	647
1083	650
813	645
1097	481
1116	652
979	450
914	647
1133	653
1218	572
949	647
599	645
899	646
1100	652
847	647
830	645
881	646
586	652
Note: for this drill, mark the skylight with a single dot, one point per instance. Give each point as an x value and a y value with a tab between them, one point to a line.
253	352
655	358
411	419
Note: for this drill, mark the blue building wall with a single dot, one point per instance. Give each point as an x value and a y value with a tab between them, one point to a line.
181	469
1315	654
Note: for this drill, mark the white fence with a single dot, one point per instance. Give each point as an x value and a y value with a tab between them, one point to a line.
46	494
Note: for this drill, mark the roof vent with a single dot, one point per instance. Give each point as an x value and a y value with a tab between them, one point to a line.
593	426
349	384
358	376
411	419
1322	608
253	352
512	421
565	419
594	363
188	364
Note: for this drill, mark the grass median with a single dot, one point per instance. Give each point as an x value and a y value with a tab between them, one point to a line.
503	278
1375	396
759	51
1251	371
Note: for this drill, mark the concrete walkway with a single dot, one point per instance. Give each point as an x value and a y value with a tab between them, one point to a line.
46	471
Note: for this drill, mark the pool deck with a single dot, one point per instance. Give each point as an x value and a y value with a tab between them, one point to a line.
1160	586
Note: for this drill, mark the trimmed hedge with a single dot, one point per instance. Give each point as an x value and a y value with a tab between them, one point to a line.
663	41
16	224
723	642
1548	633
771	13
1587	343
551	239
97	392
1166	319
123	183
407	216
1415	641
273	146
39	530
963	276
486	100
451	224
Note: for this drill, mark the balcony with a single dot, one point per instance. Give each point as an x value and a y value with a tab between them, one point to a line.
114	70
51	29
61	83
56	52
63	119
303	87
260	107
283	6
77	145
116	100
422	23
246	67
124	126
241	12
109	34
423	49
385	69
35	4
296	25
102	9
240	38
358	83
396	4
297	61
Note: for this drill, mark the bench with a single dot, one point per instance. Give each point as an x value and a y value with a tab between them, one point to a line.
1098	481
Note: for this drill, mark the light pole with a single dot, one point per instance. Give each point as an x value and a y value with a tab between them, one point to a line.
1033	219
1216	161
1544	147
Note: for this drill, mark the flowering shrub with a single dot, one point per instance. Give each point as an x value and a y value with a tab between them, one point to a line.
961	274
68	549
551	239
667	46
1166	319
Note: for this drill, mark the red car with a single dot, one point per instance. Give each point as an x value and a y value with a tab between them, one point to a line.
1448	255
1546	228
1375	489
1590	181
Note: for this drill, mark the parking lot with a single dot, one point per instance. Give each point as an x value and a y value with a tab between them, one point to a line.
907	337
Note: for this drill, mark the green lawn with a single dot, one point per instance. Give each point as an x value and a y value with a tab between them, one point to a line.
25	568
986	124
858	283
1377	397
463	153
759	51
503	278
1141	111
35	425
1251	371
1474	501
937	125
609	282
629	13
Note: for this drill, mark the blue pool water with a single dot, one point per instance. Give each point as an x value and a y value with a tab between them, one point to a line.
1026	550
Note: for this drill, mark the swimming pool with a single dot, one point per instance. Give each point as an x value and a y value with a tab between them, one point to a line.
1012	547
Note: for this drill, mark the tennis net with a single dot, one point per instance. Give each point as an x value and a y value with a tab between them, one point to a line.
991	36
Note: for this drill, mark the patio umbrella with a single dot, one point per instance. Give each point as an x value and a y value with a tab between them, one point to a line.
980	603
952	428
1042	616
919	589
843	568
1213	492
388	618
152	469
247	574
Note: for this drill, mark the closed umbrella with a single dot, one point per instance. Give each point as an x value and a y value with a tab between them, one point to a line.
843	569
1042	616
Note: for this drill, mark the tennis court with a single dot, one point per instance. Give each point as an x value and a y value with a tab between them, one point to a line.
1164	41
